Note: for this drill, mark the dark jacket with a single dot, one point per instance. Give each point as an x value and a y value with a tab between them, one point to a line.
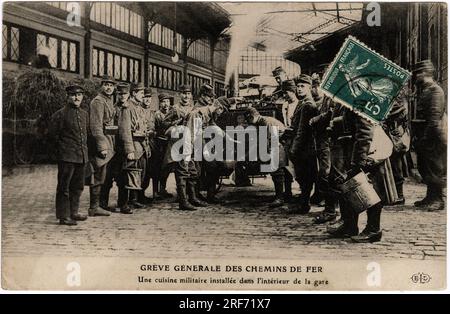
101	114
303	142
431	103
68	131
358	132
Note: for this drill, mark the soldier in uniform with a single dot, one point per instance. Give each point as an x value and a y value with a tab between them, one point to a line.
302	150
149	118
102	144
122	138
134	123
254	118
351	137
68	129
280	76
176	116
206	96
115	165
431	146
162	125
319	125
186	172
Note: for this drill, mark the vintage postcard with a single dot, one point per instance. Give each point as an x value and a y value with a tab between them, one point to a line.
224	146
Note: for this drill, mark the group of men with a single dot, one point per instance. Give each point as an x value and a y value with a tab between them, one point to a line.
327	144
323	144
127	142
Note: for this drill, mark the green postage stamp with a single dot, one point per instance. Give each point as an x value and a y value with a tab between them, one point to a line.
363	80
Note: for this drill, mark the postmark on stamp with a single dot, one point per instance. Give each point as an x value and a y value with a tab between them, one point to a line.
364	80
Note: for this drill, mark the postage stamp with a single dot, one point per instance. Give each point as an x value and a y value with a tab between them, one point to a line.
364	80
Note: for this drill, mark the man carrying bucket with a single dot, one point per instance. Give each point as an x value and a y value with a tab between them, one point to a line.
351	137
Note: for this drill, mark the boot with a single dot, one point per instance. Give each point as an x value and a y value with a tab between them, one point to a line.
347	226
437	199
94	200
198	194
211	193
134	194
279	201
182	197
372	232
191	194
287	190
142	199
67	222
426	200
162	191
104	197
401	199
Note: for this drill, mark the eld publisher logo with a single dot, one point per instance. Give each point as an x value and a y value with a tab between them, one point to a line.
421	278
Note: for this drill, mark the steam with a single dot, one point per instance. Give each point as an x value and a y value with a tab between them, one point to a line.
243	31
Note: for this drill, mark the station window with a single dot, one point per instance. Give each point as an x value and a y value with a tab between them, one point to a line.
200	50
118	17
122	68
219	89
195	82
162	77
62	53
11	37
163	36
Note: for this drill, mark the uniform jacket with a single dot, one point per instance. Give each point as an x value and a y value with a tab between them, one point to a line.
303	141
272	122
160	126
431	103
101	114
357	130
177	115
68	130
132	123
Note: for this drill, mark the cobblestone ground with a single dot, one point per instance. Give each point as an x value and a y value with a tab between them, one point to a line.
244	227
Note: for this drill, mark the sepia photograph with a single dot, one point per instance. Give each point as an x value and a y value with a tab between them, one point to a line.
264	146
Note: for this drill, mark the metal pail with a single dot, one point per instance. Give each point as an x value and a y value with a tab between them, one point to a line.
359	193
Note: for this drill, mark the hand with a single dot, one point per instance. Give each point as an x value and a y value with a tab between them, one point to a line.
103	154
314	120
130	156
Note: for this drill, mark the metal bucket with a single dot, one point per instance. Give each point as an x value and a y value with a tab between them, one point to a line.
359	193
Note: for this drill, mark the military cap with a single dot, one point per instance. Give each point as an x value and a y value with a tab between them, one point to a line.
289	86
277	71
123	88
185	88
303	78
207	89
148	92
424	66
315	79
108	79
74	88
163	96
137	87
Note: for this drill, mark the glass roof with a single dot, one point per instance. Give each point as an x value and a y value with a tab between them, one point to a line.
283	26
